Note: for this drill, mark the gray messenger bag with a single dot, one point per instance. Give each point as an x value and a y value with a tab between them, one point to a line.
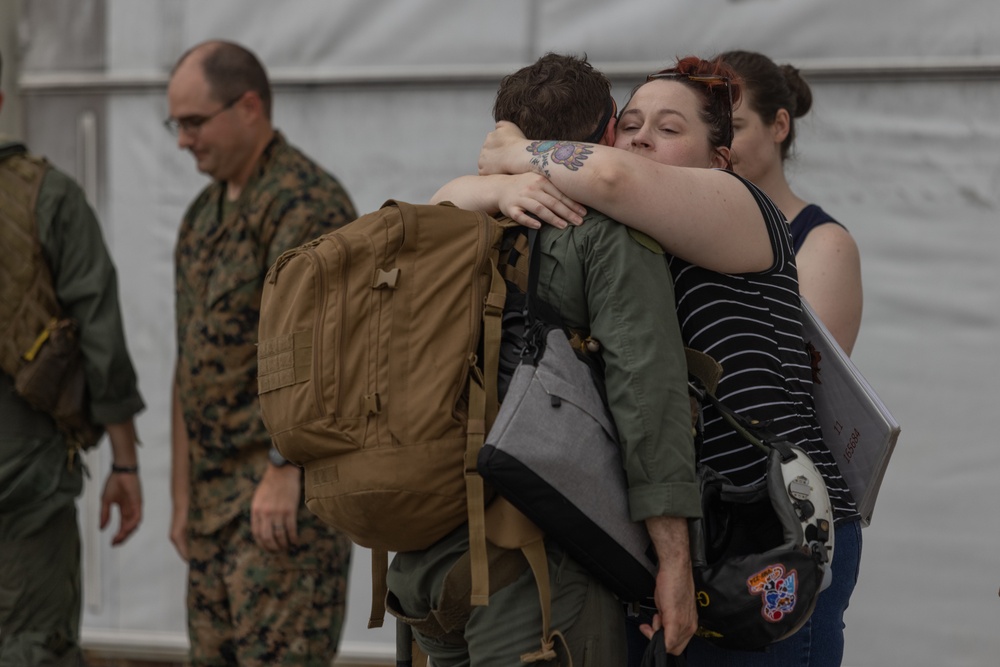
553	452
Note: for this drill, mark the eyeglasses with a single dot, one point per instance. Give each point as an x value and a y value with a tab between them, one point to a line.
712	82
609	111
193	124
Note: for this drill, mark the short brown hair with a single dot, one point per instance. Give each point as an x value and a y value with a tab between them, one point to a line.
231	70
557	97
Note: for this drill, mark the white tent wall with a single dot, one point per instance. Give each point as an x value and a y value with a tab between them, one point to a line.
394	98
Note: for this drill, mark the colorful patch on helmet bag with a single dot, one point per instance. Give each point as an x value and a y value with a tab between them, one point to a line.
777	590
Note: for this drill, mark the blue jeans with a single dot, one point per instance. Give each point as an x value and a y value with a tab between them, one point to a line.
818	643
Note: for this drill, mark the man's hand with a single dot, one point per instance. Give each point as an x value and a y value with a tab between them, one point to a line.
275	507
674	593
122	489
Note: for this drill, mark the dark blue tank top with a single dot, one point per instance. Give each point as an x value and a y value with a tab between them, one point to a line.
808	219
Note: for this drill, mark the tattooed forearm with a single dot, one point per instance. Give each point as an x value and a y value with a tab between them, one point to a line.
569	154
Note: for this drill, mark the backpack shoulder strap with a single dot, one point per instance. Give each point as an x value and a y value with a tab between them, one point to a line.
508	528
483	407
380	567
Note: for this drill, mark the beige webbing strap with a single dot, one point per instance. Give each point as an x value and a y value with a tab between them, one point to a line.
417	657
483	405
534	553
492	330
507	527
475	496
380	566
703	367
708	371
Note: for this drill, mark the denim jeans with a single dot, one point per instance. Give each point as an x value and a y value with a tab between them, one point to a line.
818	643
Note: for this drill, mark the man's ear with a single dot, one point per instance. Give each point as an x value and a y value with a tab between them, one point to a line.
251	104
781	126
608	138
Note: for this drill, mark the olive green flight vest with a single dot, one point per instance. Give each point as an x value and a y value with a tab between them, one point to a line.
27	299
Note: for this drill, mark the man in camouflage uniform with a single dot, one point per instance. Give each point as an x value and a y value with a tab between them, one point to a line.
46	226
267	580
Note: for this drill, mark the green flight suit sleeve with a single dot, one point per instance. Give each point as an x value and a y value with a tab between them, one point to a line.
627	303
86	285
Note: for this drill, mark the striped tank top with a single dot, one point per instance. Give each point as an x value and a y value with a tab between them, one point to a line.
750	323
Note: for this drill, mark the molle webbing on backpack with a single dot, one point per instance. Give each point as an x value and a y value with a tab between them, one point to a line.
27	299
514	253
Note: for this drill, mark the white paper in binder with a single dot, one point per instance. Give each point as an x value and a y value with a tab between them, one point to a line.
857	427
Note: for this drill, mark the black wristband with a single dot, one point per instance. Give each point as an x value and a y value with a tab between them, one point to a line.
125	470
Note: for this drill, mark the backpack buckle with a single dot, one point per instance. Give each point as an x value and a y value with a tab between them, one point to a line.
386	279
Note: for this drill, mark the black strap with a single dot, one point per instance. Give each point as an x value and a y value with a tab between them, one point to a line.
539	316
753	431
535	309
656	654
598	133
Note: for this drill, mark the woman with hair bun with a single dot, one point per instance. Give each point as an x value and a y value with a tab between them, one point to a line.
826	254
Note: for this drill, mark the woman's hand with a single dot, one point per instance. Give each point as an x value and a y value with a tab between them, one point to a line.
530	198
503	152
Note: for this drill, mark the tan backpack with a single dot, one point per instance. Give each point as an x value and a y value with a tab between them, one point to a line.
375	344
377	368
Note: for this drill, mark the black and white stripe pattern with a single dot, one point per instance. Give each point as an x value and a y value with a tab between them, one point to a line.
750	323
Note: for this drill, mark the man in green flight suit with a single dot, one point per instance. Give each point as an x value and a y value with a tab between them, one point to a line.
40	469
267	580
613	285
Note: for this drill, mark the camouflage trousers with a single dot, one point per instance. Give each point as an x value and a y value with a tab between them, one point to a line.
40	585
249	607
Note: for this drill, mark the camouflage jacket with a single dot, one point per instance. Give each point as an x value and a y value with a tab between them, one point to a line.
222	256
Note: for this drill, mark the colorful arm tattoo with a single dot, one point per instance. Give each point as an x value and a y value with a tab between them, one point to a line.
569	154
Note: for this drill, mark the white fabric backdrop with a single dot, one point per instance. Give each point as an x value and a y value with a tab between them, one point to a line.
909	166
